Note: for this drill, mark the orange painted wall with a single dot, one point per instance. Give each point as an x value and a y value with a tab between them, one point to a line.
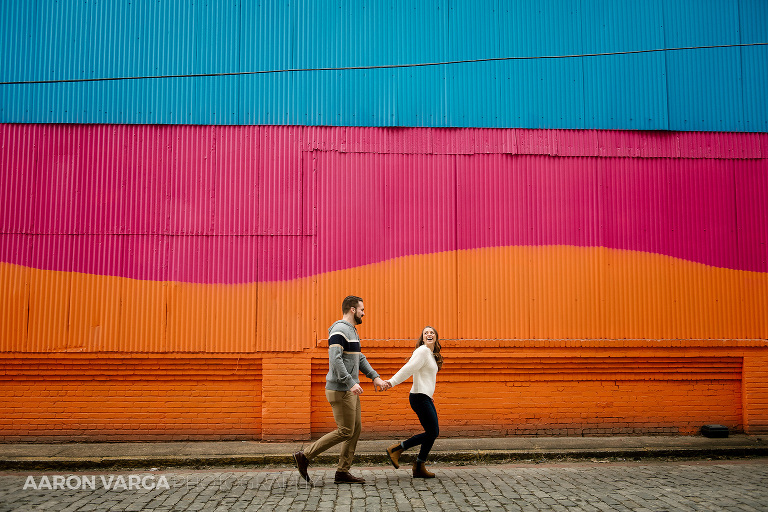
199	307
541	365
589	295
557	392
120	399
480	393
755	392
525	356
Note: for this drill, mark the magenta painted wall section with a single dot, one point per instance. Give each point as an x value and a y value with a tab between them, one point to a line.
751	213
243	204
651	205
397	205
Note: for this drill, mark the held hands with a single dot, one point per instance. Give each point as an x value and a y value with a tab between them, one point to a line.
381	385
378	385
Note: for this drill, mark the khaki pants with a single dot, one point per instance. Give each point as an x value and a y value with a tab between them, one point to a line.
346	412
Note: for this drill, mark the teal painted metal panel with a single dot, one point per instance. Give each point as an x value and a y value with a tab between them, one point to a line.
704	86
754	28
624	91
547	92
154	47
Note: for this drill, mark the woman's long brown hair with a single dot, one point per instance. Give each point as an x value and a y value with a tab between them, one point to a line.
436	351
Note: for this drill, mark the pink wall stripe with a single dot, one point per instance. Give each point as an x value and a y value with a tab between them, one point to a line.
237	204
679	207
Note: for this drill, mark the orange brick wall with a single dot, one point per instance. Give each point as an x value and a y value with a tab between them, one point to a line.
151	399
497	396
594	408
485	391
285	396
756	393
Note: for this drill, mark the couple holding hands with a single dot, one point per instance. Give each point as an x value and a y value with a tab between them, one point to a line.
343	390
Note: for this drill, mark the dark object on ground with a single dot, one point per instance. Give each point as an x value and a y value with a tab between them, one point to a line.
343	477
714	431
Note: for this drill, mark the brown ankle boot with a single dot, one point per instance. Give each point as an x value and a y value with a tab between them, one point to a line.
343	477
420	470
394	452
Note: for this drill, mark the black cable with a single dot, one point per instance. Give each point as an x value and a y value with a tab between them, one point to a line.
387	66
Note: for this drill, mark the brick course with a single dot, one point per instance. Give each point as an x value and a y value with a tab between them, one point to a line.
482	392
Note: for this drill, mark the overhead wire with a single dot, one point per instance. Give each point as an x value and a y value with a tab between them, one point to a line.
381	66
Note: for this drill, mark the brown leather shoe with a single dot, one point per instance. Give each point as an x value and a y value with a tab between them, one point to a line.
420	470
394	452
302	463
343	477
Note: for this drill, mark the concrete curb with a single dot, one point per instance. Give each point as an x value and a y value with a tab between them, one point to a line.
53	463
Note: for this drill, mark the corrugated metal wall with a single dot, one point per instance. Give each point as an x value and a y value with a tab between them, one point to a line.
242	239
711	89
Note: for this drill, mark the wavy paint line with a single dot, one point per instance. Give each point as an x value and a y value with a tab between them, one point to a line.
527	293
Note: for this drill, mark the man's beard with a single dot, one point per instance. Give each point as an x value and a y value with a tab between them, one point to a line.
358	320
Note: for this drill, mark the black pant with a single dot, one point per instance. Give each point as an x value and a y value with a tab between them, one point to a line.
424	408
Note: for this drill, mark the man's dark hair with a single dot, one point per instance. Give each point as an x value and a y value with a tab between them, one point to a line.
351	301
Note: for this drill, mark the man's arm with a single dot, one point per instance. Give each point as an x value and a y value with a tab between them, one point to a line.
366	368
369	372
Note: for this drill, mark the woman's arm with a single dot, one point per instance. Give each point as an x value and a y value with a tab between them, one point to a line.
417	360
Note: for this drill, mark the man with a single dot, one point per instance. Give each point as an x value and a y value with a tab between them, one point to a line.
343	390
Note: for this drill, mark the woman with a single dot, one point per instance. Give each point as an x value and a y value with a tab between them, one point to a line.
424	364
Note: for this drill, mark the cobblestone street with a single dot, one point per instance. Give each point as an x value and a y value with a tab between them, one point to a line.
642	486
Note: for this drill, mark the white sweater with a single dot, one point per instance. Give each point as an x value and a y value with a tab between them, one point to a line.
423	367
